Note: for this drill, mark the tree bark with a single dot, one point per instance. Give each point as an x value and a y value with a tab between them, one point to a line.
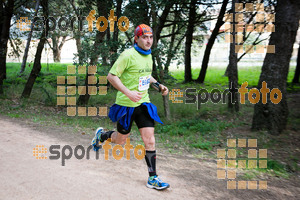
29	38
79	49
189	41
246	36
155	71
115	43
102	9
170	53
57	47
271	116
166	107
297	72
233	104
15	50
37	60
211	42
157	28
77	32
56	55
6	12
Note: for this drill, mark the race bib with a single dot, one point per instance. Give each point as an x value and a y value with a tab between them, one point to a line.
144	83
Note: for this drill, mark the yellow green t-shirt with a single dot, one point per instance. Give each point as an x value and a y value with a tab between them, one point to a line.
134	70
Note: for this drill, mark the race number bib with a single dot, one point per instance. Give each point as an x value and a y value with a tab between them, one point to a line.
144	83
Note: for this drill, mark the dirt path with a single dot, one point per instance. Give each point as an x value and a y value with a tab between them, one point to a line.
24	177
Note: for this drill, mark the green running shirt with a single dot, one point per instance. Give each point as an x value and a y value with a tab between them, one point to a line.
134	70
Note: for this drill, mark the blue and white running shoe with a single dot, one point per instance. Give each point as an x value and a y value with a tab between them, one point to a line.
156	183
96	140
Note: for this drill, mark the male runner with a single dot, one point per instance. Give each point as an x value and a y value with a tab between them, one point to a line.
131	75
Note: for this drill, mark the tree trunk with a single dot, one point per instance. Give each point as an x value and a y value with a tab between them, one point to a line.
170	52
16	52
37	60
102	9
115	42
6	12
56	55
233	104
77	32
157	26
155	68
116	29
29	38
211	42
57	46
297	72
275	68
166	107
79	48
189	41
255	42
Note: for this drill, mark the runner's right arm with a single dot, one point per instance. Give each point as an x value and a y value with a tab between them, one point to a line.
117	83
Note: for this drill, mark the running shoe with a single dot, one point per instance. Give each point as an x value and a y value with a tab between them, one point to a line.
96	140
156	183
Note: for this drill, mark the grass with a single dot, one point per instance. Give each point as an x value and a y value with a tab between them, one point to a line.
193	133
190	129
215	76
44	91
274	168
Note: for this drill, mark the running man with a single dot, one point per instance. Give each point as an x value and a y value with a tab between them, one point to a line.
131	76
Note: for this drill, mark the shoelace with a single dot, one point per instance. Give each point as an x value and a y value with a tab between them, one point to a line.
98	135
158	179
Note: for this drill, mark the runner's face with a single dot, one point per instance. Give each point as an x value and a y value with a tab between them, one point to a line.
145	41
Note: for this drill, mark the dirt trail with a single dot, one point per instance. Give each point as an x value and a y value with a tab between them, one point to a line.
24	177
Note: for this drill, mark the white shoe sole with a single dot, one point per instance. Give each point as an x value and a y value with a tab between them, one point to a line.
157	188
97	132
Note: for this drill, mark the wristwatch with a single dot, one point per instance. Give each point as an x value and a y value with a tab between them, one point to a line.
156	86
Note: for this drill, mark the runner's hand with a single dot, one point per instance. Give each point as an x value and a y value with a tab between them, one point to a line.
135	96
164	90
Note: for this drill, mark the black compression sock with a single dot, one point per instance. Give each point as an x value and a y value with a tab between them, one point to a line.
151	162
105	136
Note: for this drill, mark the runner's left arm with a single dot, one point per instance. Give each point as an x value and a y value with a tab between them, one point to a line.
164	89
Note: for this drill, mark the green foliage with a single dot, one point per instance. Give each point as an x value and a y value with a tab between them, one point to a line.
276	168
196	133
189	128
206	145
215	75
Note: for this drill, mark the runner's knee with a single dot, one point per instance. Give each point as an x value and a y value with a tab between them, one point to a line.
149	142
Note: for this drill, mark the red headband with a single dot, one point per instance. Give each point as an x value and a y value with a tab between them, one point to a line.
142	29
